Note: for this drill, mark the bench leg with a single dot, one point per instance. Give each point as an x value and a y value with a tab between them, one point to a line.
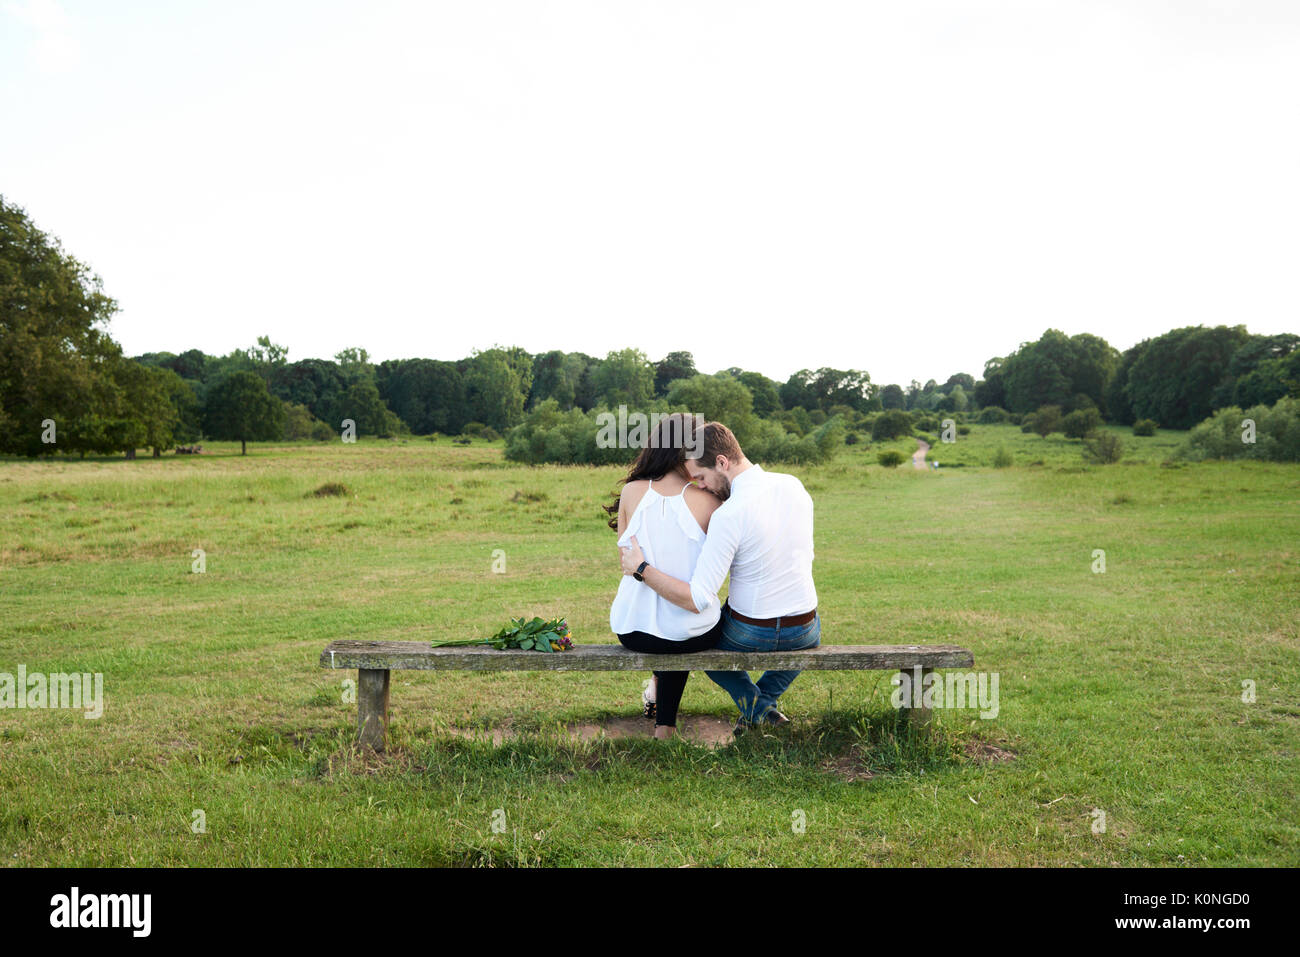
372	709
917	715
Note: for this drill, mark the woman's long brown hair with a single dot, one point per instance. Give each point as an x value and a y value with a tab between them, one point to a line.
664	452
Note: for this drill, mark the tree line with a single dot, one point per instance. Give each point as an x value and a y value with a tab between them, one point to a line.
58	365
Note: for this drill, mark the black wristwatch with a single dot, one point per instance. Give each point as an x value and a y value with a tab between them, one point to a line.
639	569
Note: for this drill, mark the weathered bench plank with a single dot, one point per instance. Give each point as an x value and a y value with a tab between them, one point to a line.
419	656
373	661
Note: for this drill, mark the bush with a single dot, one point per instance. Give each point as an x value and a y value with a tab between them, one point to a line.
894	424
796	420
1080	422
1102	447
1027	425
851	439
330	489
1015	418
719	398
1222	435
472	428
1145	427
767	441
927	423
993	414
1047	420
963	430
299	423
548	435
891	459
1003	458
489	434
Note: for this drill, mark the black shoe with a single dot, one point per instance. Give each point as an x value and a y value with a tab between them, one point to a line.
774	717
741	727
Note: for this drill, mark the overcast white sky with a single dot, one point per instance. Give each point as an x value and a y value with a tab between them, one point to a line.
903	187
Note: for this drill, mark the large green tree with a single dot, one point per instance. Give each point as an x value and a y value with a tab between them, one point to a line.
494	391
719	398
551	380
1055	370
1173	377
766	392
674	366
1256	372
427	394
892	397
151	399
992	389
1038	373
56	359
359	398
827	387
625	377
241	409
318	384
564	377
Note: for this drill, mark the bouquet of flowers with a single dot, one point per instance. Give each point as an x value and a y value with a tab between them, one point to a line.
536	635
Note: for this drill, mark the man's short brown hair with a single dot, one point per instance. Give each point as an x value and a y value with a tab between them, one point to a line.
719	440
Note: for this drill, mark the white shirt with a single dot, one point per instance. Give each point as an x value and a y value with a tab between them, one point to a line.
671	540
763	534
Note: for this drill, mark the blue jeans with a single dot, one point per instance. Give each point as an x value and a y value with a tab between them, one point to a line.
755	700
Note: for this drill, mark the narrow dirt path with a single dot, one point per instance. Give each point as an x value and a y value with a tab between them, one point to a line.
918	457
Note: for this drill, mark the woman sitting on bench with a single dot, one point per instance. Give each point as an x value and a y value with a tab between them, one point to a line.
669	517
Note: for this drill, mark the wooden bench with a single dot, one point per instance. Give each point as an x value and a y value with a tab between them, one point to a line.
374	660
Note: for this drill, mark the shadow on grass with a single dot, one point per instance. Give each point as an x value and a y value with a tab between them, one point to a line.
852	745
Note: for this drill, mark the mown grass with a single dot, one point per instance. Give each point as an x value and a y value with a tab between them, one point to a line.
1120	691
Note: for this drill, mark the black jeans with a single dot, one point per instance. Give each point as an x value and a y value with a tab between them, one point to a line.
671	683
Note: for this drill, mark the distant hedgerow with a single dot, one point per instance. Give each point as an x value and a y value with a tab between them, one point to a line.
549	436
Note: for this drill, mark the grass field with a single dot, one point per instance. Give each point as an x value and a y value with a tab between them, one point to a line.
1121	692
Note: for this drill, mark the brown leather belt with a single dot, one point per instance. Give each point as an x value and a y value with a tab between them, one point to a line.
781	622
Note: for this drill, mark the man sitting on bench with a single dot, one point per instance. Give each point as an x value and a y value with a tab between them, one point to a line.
763	535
